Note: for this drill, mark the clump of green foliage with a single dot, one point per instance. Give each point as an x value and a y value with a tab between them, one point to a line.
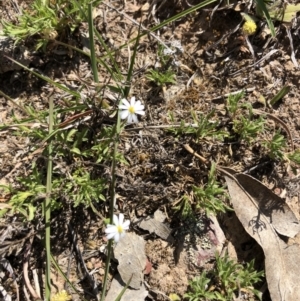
165	73
232	103
161	78
203	127
245	125
225	282
199	289
184	208
78	183
248	128
295	156
211	197
47	20
275	146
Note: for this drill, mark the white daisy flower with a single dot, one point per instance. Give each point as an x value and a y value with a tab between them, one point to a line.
117	230
129	110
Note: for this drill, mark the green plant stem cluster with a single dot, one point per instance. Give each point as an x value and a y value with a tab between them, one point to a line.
226	282
47	20
211	196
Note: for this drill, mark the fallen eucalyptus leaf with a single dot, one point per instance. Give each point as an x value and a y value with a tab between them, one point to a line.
156	225
262	216
130	253
271	205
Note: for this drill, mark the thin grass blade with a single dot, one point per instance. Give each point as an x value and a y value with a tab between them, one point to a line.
284	91
261	9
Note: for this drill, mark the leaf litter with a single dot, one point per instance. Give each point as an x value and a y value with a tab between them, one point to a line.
155	175
132	262
130	253
267	218
156	225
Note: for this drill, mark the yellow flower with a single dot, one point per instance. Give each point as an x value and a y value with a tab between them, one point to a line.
174	297
249	27
61	296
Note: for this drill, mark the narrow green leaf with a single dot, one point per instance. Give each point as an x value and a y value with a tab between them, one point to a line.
123	290
262	11
284	91
31	211
55	263
76	150
92	44
130	71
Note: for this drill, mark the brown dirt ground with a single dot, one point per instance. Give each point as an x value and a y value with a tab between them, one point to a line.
215	61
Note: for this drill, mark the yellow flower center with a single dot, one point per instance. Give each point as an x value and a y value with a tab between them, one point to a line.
120	229
131	110
249	27
61	296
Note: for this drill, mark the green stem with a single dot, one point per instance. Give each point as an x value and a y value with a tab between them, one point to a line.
92	44
114	160
107	266
111	203
47	207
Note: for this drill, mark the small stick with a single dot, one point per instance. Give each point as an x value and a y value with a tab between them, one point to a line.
190	150
36	282
33	293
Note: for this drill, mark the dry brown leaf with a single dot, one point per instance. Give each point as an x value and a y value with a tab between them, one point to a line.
130	252
156	225
280	214
262	214
145	7
132	8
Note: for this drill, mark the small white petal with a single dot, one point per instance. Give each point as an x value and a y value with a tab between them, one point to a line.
110	236
124	114
126	225
132	101
130	118
139	108
117	237
125	102
116	220
111	229
123	107
134	118
140	112
121	218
